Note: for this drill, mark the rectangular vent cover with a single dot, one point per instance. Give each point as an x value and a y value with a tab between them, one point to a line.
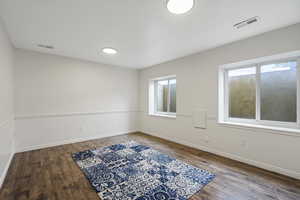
246	22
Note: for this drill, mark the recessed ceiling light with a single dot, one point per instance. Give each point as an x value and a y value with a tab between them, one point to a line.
109	51
180	6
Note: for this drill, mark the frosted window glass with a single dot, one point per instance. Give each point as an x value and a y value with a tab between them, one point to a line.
173	95
279	92
242	93
162	96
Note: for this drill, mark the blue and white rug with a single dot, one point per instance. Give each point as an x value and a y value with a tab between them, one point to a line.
132	171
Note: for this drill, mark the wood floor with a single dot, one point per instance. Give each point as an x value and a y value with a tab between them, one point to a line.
51	174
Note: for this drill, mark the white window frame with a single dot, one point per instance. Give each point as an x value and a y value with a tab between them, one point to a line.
223	116
153	97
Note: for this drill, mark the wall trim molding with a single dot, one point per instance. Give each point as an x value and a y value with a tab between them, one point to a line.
255	163
54	115
3	175
70	141
186	115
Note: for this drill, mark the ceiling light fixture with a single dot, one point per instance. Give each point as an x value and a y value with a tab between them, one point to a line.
180	6
109	51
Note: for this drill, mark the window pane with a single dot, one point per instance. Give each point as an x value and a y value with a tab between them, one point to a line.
279	92
162	96
242	93
173	95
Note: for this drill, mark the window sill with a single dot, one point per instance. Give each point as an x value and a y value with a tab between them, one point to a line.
162	115
272	129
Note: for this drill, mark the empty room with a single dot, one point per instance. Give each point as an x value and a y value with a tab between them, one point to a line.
149	100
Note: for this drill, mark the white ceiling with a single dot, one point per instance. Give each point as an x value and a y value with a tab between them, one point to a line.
143	31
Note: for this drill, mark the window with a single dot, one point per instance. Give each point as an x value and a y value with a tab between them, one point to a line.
262	91
162	96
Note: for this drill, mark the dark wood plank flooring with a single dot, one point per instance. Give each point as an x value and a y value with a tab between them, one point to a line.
51	174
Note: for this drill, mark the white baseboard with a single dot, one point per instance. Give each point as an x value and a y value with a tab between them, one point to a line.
3	175
70	141
259	164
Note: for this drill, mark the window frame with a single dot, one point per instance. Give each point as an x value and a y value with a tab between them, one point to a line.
258	63
153	97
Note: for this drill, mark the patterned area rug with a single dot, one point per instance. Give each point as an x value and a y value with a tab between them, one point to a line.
133	171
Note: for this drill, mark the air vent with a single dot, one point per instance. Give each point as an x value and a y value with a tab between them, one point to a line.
45	46
246	22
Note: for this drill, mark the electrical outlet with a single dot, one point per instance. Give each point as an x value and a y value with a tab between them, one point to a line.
205	138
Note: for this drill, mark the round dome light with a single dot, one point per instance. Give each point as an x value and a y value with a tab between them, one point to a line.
110	51
180	6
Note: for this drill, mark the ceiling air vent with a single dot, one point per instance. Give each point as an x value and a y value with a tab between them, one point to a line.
246	22
45	46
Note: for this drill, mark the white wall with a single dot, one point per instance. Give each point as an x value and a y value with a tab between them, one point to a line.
6	103
59	100
197	81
